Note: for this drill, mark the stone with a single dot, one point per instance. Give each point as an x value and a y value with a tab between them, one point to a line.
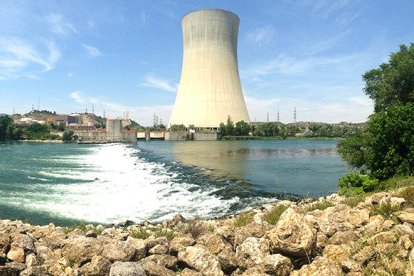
254	271
98	266
364	255
9	271
406	217
218	246
383	237
396	202
252	251
154	269
163	260
200	259
344	237
293	235
228	260
4	242
277	264
337	253
180	242
23	241
34	271
16	254
140	246
177	219
350	266
127	269
320	266
91	234
190	272
32	260
81	248
118	251
250	230
159	249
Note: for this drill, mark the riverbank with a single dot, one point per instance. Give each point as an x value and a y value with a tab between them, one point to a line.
333	235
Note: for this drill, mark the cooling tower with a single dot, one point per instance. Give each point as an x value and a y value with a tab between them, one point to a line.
209	89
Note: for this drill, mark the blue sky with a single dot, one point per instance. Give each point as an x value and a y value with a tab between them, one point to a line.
126	55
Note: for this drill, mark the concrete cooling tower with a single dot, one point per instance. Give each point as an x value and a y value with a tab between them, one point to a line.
209	89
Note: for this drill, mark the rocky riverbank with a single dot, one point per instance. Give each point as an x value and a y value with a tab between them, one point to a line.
333	235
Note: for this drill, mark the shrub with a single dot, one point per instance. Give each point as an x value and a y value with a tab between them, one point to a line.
353	201
139	233
354	184
169	234
243	219
386	210
408	195
195	228
272	217
320	205
67	135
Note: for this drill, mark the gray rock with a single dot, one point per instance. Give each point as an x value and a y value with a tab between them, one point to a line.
199	258
127	269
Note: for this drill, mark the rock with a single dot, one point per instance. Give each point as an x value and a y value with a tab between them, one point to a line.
337	253
98	266
118	251
177	219
81	248
32	260
126	223
190	272
277	264
228	260
140	247
4	242
154	269
364	255
396	202
159	249
254	271
23	241
405	242
163	260
127	269
251	230
34	271
292	235
16	254
383	237
200	259
252	251
9	271
343	237
320	266
180	242
406	217
91	234
350	266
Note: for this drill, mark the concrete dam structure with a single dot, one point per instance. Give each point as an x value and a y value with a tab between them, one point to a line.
209	89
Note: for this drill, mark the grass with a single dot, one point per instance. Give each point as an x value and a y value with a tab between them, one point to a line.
243	219
82	227
169	234
395	183
386	210
320	205
195	228
139	233
353	201
273	216
408	195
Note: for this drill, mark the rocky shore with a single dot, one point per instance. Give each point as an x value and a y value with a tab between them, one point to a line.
370	235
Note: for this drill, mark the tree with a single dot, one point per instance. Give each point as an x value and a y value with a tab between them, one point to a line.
393	82
386	147
242	128
67	136
5	121
177	127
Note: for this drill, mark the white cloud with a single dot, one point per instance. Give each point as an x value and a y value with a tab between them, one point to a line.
59	25
261	36
22	58
158	83
76	95
92	51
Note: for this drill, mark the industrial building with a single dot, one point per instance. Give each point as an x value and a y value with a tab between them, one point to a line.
209	90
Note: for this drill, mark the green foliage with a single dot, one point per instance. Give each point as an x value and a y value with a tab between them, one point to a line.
353	201
320	205
178	127
393	82
242	128
36	131
354	184
67	136
273	216
386	210
8	130
243	219
227	129
139	233
168	234
194	228
268	130
408	195
353	149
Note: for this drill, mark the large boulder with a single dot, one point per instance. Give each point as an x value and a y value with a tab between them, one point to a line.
293	235
252	251
80	248
118	251
164	260
140	246
320	266
98	266
154	269
200	259
277	264
127	269
180	242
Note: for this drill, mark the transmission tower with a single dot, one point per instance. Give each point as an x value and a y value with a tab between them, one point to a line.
267	117
278	116
294	114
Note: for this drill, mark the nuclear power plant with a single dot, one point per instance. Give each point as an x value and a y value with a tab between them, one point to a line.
209	89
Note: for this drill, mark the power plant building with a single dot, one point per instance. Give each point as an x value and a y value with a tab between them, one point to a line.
209	89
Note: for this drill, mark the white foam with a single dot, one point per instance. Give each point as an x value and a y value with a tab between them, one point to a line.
121	186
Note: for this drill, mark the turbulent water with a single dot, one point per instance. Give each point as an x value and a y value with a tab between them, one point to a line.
67	183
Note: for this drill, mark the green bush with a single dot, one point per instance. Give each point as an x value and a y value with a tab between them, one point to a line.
272	217
67	136
243	219
354	184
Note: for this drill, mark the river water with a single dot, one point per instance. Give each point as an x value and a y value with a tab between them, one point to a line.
69	183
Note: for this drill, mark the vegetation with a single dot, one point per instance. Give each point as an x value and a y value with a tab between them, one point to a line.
353	201
386	210
243	219
168	234
385	147
178	127
320	205
194	228
139	233
408	195
355	183
272	217
8	130
67	136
